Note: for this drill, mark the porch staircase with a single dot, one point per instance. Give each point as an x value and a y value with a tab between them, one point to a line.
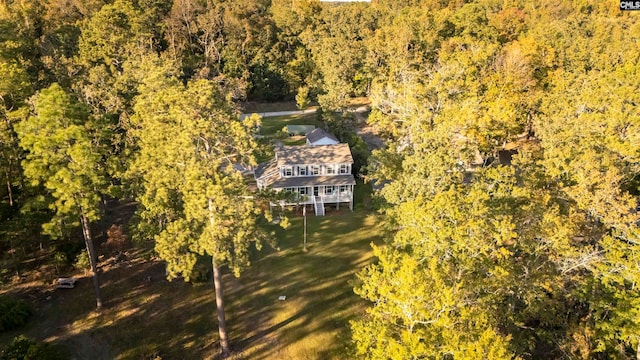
318	205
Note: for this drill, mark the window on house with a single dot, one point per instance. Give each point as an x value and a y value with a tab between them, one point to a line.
289	189
302	171
344	169
315	170
328	190
288	171
344	188
303	191
331	170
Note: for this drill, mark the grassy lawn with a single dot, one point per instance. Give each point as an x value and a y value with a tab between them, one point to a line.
272	125
145	315
312	323
294	140
258	107
271	130
359	101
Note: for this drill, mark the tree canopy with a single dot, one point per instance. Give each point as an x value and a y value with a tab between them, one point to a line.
510	165
511	168
189	138
64	155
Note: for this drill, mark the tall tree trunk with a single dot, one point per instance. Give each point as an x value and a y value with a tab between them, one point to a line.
86	231
10	192
222	325
103	207
7	174
217	284
16	263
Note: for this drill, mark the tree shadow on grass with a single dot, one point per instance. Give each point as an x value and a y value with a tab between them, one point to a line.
145	315
313	320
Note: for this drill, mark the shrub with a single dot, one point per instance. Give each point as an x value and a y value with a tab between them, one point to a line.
282	134
302	98
23	348
82	261
13	313
68	251
201	272
117	241
59	260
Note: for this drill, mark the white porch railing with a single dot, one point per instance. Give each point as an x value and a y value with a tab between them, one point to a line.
319	201
344	197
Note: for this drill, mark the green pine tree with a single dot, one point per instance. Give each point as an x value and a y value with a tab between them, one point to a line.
65	156
191	197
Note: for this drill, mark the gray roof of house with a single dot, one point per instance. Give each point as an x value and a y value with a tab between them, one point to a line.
265	168
314	181
317	134
320	154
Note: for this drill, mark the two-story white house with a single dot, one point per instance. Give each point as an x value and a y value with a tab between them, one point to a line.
320	174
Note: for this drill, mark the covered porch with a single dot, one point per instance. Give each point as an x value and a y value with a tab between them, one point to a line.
329	194
338	192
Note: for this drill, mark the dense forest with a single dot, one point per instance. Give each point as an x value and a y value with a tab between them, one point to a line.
511	166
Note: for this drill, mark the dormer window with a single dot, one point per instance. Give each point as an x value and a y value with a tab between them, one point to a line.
344	169
315	170
331	170
302	171
288	171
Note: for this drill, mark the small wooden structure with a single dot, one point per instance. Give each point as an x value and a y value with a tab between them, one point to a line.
66	283
321	137
299	129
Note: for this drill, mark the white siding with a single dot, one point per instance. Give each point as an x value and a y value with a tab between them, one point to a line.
324	141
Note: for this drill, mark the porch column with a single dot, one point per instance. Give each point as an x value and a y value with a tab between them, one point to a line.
351	202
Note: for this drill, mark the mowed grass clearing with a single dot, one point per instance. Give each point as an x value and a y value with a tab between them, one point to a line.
145	315
259	107
272	125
